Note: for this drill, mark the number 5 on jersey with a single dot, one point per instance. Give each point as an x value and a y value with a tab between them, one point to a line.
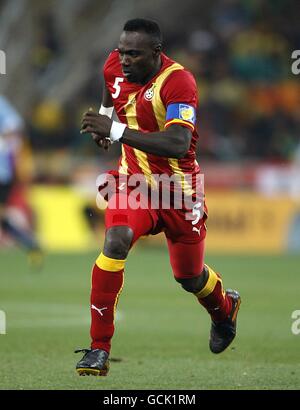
116	87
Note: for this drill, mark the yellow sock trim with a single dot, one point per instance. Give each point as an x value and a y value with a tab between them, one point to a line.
213	279
117	298
109	264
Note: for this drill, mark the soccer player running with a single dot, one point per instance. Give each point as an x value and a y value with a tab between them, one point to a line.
11	140
155	100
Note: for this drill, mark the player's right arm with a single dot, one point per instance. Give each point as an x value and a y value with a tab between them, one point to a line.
107	101
107	105
107	109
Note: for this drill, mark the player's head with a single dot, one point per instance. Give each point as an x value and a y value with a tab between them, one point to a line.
140	47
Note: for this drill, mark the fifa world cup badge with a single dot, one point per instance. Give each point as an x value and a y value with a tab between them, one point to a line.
186	112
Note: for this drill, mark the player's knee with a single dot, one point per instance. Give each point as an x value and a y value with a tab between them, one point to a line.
194	284
117	242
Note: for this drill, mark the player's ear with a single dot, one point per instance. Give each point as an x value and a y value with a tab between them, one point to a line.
157	49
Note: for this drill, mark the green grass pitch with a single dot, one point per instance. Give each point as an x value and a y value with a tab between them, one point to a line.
161	339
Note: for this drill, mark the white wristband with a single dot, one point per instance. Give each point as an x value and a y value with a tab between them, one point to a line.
116	131
108	111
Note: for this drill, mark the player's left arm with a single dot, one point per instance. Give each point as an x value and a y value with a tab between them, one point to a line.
174	142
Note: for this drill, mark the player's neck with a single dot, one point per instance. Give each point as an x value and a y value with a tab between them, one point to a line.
154	71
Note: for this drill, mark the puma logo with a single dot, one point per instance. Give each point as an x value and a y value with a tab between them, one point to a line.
98	310
196	230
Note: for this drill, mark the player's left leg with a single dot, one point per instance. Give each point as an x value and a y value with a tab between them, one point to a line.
187	261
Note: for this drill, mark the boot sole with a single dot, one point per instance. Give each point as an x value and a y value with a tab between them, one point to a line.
92	372
87	371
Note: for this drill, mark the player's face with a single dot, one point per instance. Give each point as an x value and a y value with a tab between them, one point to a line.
139	58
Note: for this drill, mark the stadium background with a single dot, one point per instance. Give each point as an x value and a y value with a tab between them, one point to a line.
249	150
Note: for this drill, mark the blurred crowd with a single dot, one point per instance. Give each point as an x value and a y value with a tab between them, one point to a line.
249	98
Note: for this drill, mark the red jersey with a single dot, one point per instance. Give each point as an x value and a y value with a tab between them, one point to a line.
168	98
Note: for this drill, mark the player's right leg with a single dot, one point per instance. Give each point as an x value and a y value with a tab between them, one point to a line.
123	228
